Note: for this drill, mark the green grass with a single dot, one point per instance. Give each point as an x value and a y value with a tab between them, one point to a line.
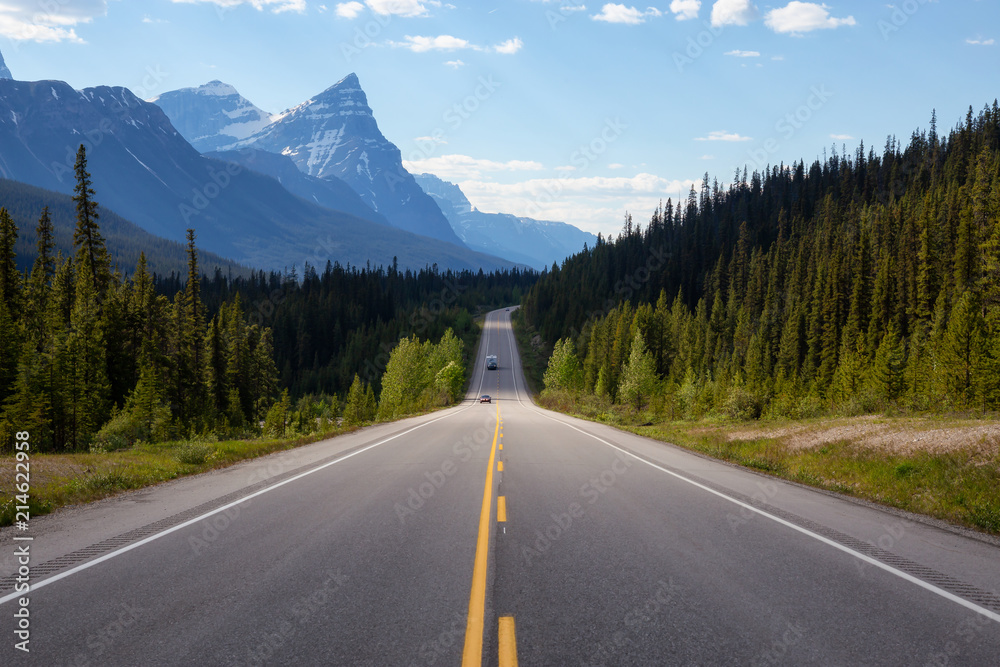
961	486
64	479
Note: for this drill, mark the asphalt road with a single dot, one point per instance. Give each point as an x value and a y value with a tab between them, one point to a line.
486	531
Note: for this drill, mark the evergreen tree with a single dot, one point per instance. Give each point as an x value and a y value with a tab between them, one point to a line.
91	254
10	278
639	379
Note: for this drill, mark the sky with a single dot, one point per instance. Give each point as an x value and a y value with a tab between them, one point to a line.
553	109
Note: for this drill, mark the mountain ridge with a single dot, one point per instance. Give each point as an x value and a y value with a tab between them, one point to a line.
537	243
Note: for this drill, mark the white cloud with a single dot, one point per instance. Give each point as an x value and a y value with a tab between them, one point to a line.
400	7
733	12
841	137
685	9
618	13
799	17
721	135
30	20
349	10
421	44
454	63
276	6
510	47
707	157
616	165
454	167
433	140
981	42
743	54
593	203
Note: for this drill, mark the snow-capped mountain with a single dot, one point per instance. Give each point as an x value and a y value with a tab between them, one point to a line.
537	243
212	117
335	134
145	171
4	71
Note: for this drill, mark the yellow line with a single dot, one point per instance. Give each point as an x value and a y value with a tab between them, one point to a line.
508	642
499	466
472	654
501	508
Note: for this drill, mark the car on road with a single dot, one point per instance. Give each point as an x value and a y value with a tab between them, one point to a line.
485	398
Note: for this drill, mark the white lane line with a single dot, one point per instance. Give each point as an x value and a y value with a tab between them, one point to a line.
805	531
167	531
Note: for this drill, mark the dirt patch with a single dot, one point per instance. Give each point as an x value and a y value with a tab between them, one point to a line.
894	436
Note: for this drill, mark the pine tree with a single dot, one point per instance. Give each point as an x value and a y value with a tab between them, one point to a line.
358	408
263	375
10	278
639	381
963	349
91	253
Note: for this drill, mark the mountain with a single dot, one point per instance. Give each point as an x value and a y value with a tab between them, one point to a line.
213	116
335	134
329	192
124	240
537	243
4	71
145	171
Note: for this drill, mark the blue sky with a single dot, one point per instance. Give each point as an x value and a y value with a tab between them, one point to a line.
557	109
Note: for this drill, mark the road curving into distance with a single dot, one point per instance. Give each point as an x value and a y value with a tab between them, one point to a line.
496	534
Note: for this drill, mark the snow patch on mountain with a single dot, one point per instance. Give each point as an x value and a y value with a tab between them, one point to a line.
213	116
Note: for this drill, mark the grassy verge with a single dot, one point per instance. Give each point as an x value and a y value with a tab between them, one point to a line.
71	478
946	467
533	351
959	484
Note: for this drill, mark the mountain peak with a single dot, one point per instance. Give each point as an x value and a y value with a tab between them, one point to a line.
349	86
217	88
4	72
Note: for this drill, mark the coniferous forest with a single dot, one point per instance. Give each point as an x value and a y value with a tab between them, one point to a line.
860	282
92	356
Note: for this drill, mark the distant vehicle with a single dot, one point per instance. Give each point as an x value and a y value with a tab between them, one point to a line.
508	310
491	362
485	398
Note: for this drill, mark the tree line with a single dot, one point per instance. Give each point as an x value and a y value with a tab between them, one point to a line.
861	282
90	356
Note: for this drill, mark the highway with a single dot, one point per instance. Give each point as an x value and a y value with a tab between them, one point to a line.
497	534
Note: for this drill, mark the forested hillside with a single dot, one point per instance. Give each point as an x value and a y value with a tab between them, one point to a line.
855	283
89	356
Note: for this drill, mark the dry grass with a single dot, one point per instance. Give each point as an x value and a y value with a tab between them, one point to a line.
901	436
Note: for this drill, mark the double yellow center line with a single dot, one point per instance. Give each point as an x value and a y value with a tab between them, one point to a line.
472	654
